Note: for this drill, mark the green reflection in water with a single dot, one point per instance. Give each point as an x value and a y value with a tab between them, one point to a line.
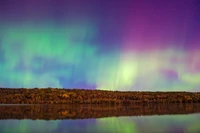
193	128
115	124
148	124
28	126
142	124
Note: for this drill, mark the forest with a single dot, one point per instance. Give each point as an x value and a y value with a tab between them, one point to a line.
82	96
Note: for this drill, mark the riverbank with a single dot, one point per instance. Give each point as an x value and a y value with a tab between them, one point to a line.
81	96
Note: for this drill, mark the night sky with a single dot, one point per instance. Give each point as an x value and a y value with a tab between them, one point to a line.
135	45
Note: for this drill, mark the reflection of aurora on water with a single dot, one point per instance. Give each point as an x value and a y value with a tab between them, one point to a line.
28	126
147	124
88	121
116	45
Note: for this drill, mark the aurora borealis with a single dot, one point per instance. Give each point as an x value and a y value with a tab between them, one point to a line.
132	45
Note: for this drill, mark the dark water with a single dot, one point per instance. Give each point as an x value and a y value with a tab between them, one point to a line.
147	118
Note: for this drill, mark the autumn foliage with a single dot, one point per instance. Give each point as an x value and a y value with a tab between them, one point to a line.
80	96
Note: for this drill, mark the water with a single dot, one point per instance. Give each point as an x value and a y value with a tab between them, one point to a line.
148	118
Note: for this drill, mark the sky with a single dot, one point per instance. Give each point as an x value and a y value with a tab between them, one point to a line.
125	45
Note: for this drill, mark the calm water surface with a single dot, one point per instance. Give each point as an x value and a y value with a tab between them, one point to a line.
159	118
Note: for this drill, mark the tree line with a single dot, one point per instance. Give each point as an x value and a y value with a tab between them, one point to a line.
82	96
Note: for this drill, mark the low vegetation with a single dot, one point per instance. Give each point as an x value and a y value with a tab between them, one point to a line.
80	96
